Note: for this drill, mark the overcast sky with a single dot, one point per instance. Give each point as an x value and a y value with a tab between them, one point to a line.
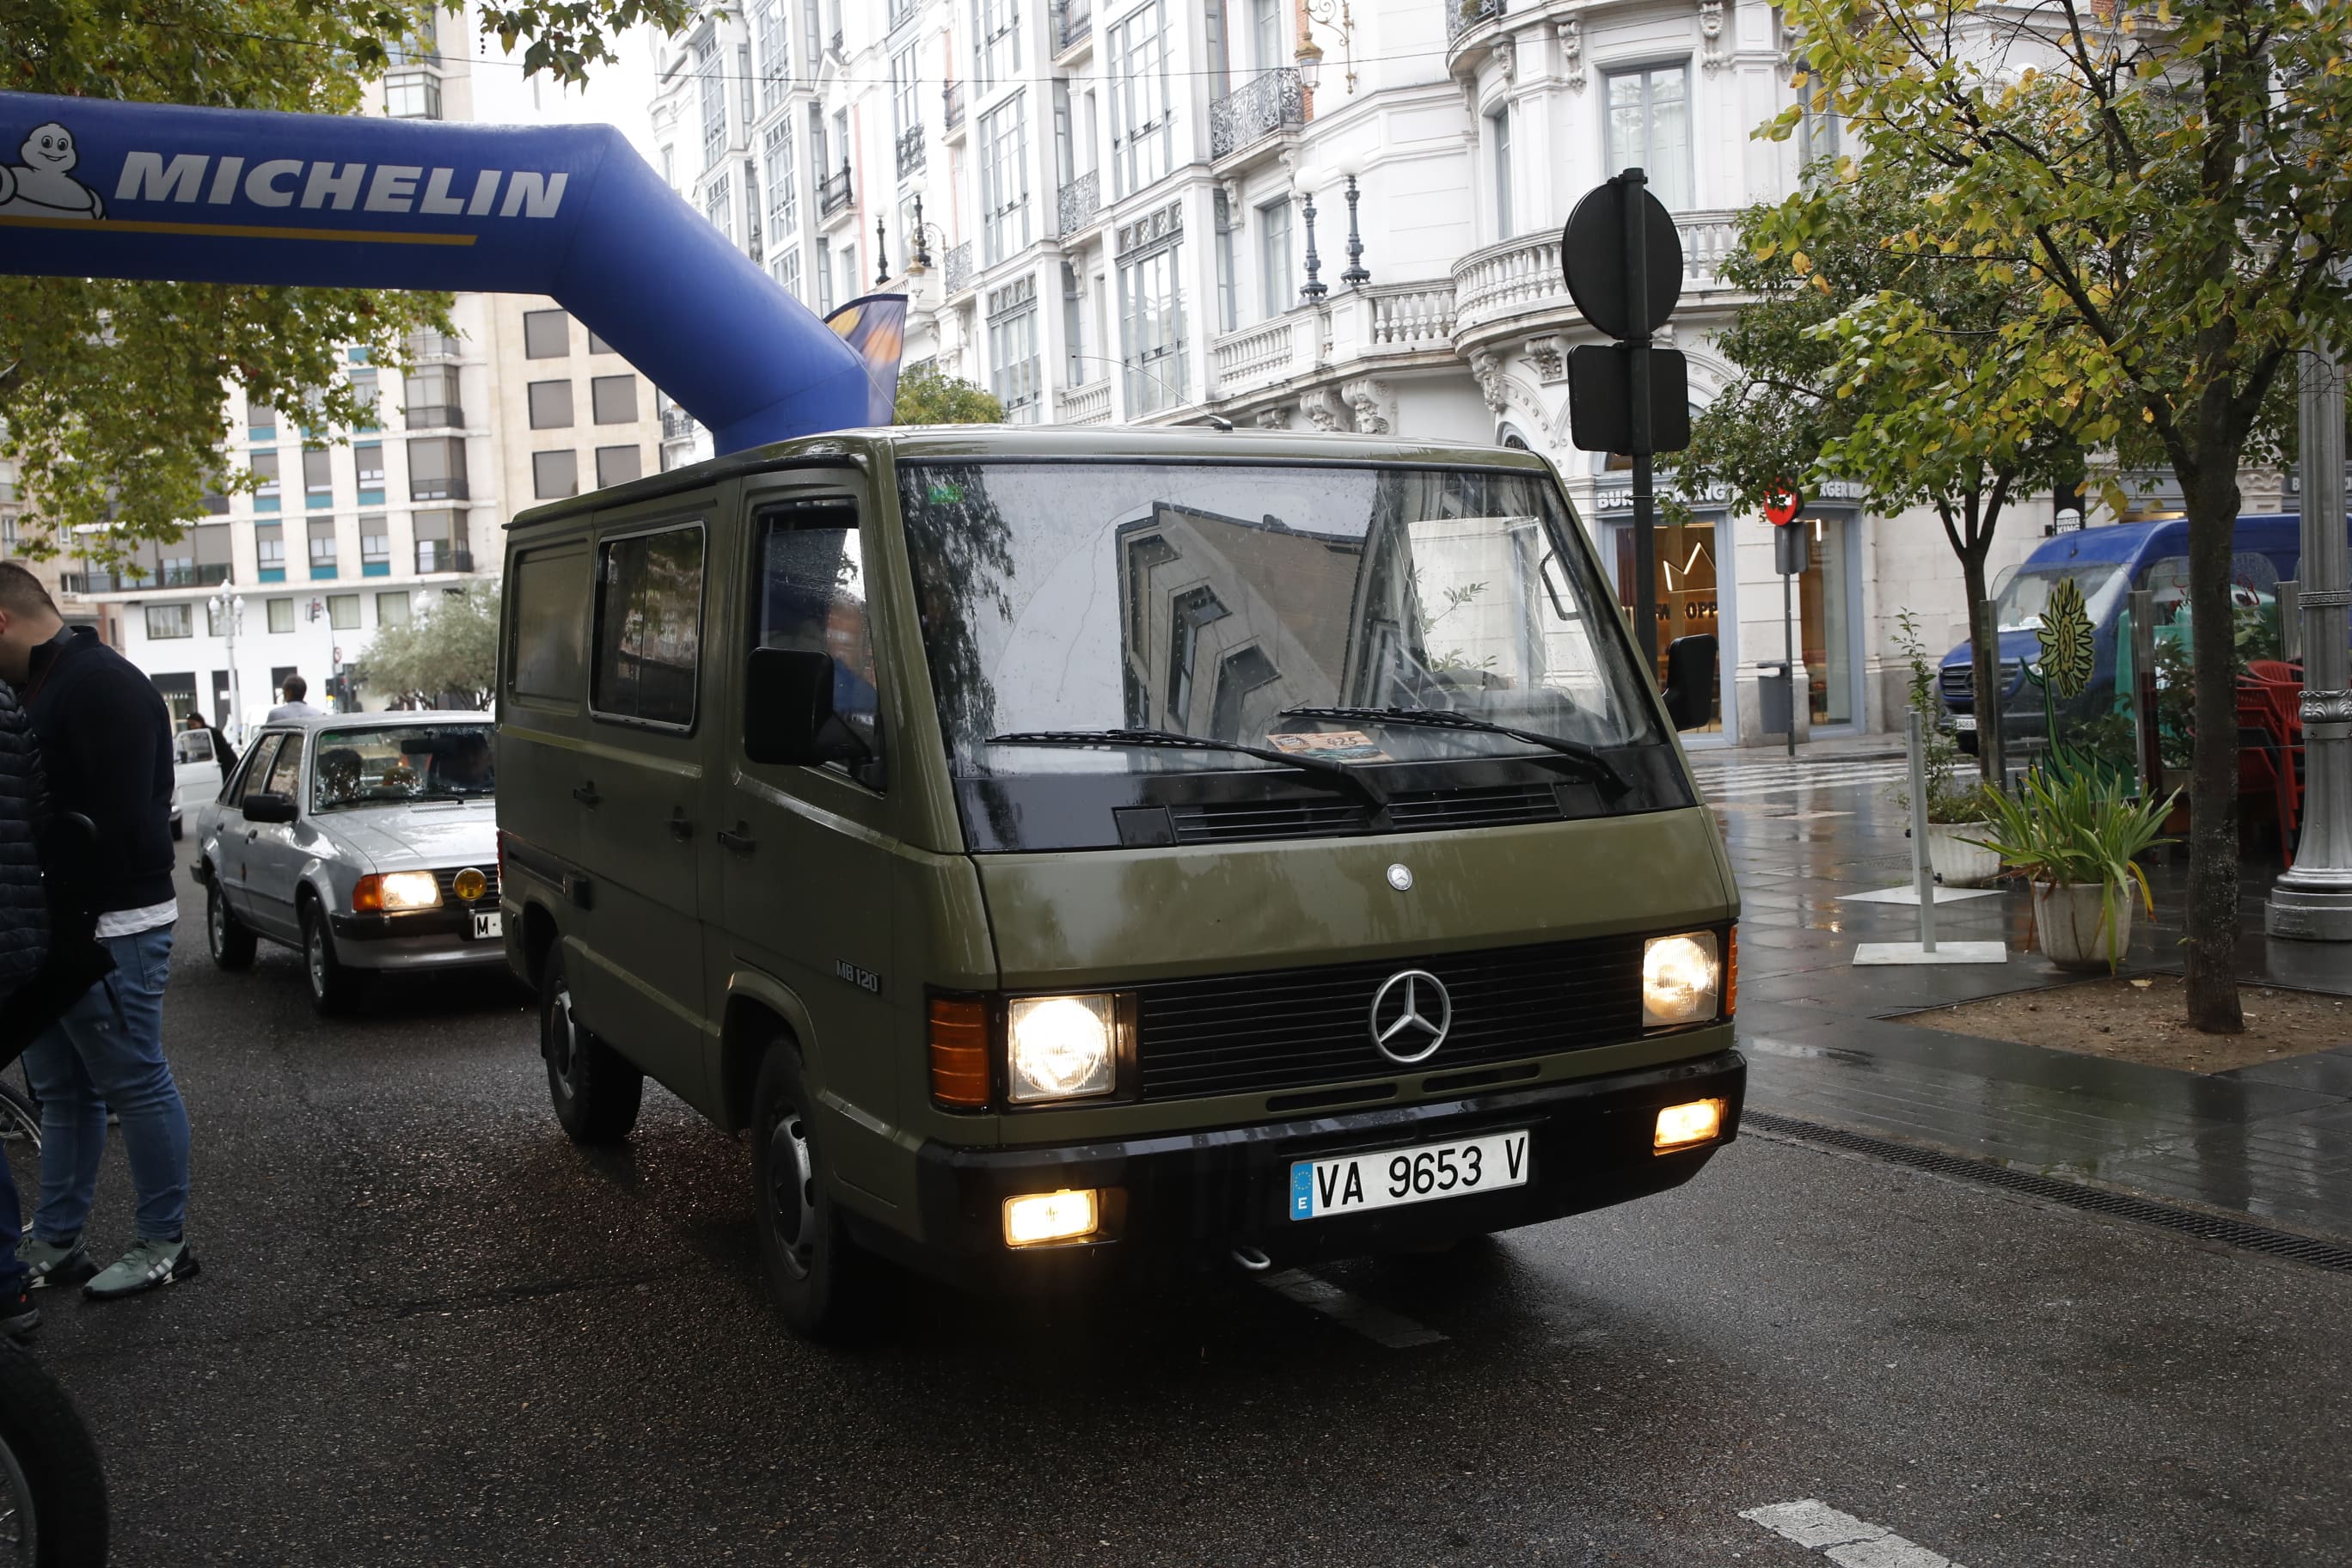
618	92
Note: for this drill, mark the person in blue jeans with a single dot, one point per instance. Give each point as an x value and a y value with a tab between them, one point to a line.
105	745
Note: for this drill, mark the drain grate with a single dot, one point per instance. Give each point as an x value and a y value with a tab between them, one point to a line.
2073	1194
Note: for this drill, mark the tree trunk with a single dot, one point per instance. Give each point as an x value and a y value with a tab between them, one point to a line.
2212	915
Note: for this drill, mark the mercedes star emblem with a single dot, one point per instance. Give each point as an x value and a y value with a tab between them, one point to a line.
1398	1025
1401	876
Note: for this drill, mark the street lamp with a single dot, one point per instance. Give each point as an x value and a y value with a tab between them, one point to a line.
1356	275
1331	14
227	608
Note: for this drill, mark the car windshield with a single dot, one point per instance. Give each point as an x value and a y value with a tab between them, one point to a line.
1213	601
390	763
2027	594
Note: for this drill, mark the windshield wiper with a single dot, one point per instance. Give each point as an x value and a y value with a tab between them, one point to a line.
1600	768
1321	768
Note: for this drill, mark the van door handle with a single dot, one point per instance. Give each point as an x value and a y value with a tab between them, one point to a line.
741	843
680	828
586	794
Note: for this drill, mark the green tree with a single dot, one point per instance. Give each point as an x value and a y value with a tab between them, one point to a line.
109	390
449	653
2173	185
928	396
1815	399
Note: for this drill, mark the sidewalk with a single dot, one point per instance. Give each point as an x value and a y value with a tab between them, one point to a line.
2273	1142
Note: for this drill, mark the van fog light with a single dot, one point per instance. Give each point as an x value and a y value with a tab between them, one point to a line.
1680	1126
1041	1217
1679	980
1059	1048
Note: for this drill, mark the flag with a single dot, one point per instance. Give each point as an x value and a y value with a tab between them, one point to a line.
875	326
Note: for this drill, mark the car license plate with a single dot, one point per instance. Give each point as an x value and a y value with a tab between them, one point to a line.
1964	720
487	925
1354	1184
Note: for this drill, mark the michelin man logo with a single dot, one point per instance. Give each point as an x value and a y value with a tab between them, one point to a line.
43	185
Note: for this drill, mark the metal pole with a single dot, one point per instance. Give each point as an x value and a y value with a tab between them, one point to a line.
1631	189
1922	877
1989	740
2149	759
2314	900
1789	655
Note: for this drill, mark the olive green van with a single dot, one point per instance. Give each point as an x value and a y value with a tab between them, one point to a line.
1072	853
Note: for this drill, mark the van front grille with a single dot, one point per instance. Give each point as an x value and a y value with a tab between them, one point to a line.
1290	1028
1497	805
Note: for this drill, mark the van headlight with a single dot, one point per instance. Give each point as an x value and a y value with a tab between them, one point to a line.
1060	1047
1681	982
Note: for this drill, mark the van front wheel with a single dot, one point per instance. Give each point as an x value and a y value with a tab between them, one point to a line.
596	1090
814	1268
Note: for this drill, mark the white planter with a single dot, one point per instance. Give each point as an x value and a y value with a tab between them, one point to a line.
2072	929
1958	863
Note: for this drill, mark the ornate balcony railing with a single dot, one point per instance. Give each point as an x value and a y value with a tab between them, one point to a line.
1087	404
1412	315
1073	20
677	425
1259	354
1272	102
1461	16
910	149
952	104
1523	275
834	194
1080	200
958	269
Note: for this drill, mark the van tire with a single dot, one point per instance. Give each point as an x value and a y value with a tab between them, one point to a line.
225	935
596	1090
334	988
815	1272
50	1448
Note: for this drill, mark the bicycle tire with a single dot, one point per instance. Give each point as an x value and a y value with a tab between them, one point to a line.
19	1116
43	1440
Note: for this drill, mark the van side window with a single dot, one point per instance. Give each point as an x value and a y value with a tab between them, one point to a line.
649	626
549	593
812	600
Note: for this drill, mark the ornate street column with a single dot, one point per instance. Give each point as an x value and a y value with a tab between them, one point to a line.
2314	900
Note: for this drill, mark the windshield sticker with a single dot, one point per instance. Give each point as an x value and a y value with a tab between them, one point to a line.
1338	745
944	493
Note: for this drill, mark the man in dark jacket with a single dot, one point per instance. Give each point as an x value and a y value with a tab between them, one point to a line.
106	744
24	947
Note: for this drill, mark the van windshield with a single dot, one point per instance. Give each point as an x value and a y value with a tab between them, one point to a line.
1215	600
2027	594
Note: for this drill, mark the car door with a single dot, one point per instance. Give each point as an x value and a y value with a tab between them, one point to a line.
228	845
271	857
195	772
805	854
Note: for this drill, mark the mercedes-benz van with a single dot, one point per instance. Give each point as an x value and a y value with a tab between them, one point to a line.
1067	852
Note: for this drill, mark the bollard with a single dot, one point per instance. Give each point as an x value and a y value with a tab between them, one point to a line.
1922	876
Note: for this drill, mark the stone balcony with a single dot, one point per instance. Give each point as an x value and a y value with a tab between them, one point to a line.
1087	404
1353	331
1518	283
1272	102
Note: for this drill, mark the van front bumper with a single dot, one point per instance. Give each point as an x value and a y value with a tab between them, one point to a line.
1193	1198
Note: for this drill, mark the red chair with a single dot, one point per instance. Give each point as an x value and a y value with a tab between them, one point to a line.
2267	765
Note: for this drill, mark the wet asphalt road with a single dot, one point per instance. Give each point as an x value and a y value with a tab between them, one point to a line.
429	1331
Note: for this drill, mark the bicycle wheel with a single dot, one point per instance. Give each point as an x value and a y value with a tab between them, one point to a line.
20	1146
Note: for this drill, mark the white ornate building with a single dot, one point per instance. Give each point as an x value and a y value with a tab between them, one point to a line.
1114	200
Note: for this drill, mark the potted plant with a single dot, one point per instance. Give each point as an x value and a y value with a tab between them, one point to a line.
2077	840
1955	812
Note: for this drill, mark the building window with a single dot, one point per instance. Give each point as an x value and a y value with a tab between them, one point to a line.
1003	180
394	609
343	612
281	615
1151	331
1014	373
165	621
261	423
618	464
996	54
1193	609
368	460
1273	258
615	398
718	207
788	271
1265	26
1820	134
546	334
1498	137
1649	128
551	406
269	552
412	95
318	476
824	278
436	468
650	627
365	393
554	475
775	51
906	109
265	475
441	541
375	547
713	85
783	205
1229	314
1142	124
322	547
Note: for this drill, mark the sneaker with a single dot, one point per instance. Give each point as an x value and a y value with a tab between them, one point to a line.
53	1262
18	1316
144	1267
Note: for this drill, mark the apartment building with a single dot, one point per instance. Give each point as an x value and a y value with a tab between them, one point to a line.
350	530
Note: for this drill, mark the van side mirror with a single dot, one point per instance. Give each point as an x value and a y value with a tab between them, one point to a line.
1690	680
268	808
788	716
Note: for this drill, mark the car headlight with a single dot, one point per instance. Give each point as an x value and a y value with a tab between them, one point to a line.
396	890
1680	980
1060	1047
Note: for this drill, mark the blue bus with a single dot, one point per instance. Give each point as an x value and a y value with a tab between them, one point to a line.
2108	564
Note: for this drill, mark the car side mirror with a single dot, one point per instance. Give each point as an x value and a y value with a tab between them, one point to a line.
788	714
268	808
1690	687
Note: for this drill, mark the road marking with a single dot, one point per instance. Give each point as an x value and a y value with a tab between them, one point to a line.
1378	1324
1844	1540
1721	784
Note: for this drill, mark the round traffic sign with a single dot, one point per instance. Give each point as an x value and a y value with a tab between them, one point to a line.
1781	506
1592	256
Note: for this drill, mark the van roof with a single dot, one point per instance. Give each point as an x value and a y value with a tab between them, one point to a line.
2122	542
1064	443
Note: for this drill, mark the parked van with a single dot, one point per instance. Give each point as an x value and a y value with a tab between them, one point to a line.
1070	851
2108	564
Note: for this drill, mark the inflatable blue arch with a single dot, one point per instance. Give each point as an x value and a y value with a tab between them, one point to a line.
93	188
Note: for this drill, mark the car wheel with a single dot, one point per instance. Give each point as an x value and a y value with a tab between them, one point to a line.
334	989
596	1090
231	944
816	1271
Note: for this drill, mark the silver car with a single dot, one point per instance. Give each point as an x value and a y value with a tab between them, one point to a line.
368	840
